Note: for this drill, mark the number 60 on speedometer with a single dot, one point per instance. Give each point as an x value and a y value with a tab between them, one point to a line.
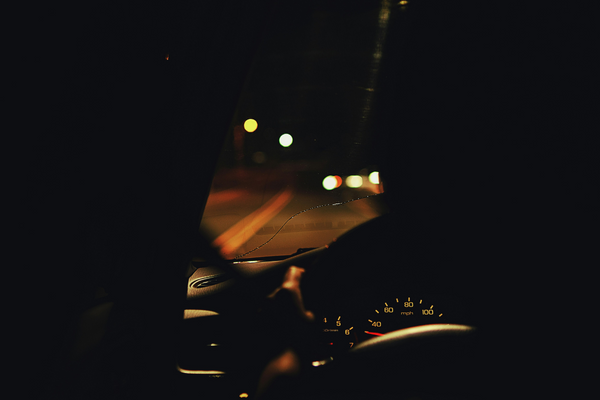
401	312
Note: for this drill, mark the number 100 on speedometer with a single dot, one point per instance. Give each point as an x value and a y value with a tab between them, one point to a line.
401	313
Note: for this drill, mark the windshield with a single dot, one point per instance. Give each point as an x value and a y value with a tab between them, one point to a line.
298	151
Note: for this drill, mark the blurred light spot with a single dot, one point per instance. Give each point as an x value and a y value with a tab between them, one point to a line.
339	181
167	57
322	362
250	125
286	140
374	177
354	181
243	395
331	182
403	3
259	157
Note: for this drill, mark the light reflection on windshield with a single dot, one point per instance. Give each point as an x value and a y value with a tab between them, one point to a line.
300	139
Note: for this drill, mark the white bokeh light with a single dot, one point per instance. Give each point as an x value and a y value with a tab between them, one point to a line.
374	177
286	140
330	182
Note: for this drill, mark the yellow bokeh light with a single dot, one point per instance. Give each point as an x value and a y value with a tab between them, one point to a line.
250	125
354	181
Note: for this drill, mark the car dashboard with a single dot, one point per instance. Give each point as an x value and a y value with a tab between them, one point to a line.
229	322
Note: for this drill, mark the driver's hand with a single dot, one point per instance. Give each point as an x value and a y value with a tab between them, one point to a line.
286	365
289	291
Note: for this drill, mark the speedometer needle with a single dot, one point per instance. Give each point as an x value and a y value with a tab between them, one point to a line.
374	333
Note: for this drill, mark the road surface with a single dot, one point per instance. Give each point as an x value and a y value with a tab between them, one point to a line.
242	218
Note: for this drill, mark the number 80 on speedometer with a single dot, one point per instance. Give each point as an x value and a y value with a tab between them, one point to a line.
401	313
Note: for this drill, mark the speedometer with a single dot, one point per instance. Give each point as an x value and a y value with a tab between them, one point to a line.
401	312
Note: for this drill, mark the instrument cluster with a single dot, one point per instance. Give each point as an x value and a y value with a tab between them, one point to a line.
344	326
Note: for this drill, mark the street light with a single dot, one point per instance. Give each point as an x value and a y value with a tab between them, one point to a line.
286	140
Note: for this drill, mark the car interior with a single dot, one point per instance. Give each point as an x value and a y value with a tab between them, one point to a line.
314	200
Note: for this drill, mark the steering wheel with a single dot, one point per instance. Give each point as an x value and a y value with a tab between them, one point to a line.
433	360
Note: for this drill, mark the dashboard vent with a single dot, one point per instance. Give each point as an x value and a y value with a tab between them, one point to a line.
210	280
